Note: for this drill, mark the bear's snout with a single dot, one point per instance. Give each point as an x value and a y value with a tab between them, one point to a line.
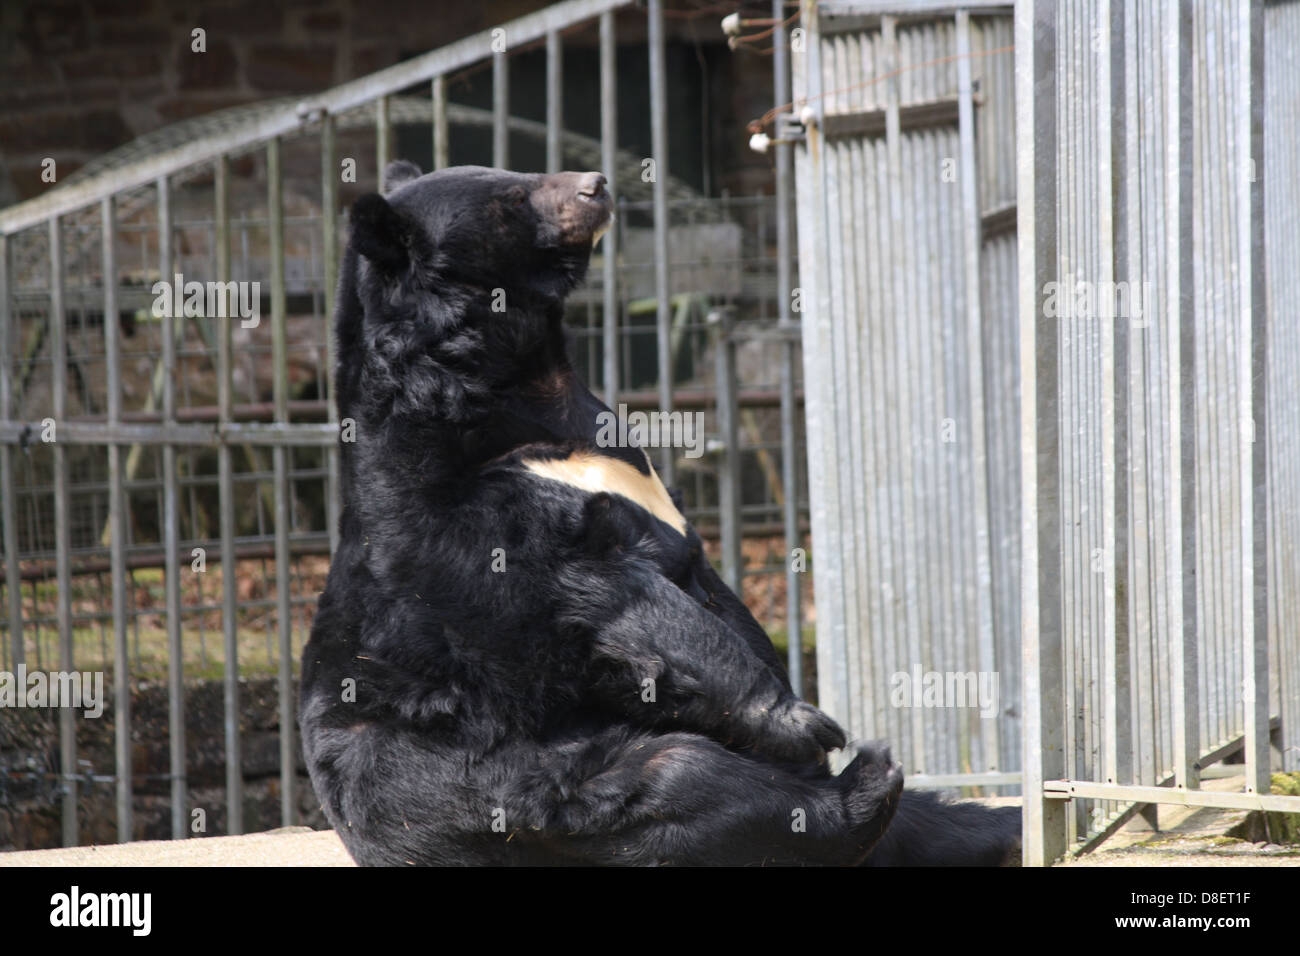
592	185
577	205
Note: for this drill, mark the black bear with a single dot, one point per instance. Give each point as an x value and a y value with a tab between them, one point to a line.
522	654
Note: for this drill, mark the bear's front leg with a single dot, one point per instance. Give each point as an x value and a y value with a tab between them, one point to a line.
665	662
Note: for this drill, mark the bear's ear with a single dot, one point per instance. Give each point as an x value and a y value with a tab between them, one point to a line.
381	233
399	173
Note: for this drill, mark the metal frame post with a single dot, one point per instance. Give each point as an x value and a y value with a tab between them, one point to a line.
784	163
1180	319
171	324
117	531
226	491
554	102
609	160
280	466
1252	378
63	571
972	237
1041	633
500	110
729	512
383	140
659	147
8	508
330	273
441	140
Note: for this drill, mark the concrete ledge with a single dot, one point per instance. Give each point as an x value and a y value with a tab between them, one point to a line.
291	846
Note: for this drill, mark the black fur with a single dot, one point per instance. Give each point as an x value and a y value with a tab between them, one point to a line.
456	714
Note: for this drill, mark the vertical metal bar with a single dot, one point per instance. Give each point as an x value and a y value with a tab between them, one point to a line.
8	508
63	570
729	467
500	110
784	160
1036	157
1123	206
554	102
1282	163
1252	379
330	264
845	256
226	492
971	240
117	529
383	139
280	459
1143	592
609	160
833	689
1180	562
171	324
441	142
659	149
912	619
1105	123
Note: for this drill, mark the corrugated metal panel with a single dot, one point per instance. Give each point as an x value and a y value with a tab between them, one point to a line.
915	539
1282	270
1155	352
1164	362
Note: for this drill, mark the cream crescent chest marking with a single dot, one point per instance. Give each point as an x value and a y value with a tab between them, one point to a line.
595	473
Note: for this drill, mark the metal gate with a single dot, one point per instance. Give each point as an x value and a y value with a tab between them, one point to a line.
906	195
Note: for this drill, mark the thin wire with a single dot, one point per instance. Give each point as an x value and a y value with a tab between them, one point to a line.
758	125
764	34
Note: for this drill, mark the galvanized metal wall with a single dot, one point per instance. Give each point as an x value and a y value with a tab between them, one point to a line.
1151	376
1282	288
1110	270
906	196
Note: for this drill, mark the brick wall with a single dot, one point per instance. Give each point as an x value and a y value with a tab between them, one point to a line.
80	78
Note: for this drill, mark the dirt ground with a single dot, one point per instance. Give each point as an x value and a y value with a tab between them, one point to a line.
1189	836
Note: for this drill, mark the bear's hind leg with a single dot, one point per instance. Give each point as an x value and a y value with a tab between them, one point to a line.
681	799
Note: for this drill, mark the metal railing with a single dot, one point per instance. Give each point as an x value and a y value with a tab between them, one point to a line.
288	443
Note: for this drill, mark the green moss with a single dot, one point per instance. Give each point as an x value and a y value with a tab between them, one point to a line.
1285	827
1224	841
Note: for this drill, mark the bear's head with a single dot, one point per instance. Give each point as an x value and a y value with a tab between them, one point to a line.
454	282
529	233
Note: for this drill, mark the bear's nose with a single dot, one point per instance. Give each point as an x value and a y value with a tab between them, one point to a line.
591	184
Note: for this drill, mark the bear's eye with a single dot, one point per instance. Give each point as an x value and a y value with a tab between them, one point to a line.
517	195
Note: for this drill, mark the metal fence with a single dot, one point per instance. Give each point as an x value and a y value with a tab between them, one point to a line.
1074	216
1158	452
137	450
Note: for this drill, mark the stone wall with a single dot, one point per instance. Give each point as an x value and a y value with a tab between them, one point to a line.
30	804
